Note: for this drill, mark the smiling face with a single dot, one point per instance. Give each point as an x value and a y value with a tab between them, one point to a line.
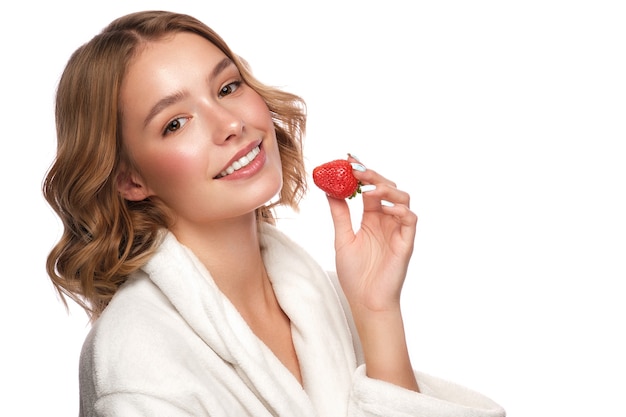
200	140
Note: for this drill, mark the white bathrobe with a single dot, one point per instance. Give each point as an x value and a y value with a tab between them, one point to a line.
171	344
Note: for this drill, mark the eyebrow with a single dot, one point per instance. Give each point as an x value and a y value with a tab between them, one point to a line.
221	66
163	104
178	96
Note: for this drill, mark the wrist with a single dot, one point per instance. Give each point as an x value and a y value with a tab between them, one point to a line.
376	310
384	346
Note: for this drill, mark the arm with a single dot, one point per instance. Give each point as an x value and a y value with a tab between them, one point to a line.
371	267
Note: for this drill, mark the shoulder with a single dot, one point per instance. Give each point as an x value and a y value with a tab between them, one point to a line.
137	331
134	311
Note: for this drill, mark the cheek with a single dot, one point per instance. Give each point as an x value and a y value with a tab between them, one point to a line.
171	168
257	111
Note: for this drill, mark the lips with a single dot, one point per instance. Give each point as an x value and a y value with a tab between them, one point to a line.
240	162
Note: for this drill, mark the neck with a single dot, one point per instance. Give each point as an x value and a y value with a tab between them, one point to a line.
231	253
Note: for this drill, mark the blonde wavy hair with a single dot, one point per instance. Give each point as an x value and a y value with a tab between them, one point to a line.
105	237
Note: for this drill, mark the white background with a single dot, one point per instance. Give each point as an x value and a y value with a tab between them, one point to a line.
504	120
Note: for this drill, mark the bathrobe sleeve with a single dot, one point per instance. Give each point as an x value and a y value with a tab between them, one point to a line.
437	398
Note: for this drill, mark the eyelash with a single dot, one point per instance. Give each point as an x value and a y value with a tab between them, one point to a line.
168	129
236	84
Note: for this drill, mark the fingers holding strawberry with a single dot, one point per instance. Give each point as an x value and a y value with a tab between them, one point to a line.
344	178
380	195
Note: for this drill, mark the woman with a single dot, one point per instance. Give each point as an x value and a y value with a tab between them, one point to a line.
169	151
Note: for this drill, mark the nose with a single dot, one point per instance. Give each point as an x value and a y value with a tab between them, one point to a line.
227	123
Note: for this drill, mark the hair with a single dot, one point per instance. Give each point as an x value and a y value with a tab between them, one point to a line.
105	237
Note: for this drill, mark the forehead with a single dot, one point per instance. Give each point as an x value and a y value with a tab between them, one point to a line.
172	63
176	45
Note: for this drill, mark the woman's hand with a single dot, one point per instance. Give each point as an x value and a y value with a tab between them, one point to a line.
372	265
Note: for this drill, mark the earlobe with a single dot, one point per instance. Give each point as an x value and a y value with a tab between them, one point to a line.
130	186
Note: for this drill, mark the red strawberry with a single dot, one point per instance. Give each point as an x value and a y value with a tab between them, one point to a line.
336	179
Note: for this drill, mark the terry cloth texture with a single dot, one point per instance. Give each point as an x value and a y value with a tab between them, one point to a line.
171	344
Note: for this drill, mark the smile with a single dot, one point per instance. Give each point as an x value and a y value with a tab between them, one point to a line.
240	163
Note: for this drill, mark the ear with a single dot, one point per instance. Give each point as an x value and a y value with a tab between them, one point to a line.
130	185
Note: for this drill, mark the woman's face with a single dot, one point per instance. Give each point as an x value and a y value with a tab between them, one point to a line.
200	139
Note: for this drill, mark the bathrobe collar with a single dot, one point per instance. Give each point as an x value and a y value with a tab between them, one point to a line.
320	331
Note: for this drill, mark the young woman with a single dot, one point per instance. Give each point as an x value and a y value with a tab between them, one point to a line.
169	152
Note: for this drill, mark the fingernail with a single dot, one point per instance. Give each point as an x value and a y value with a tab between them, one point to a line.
367	187
357	167
386	203
353	156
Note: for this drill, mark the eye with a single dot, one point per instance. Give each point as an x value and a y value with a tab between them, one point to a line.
229	88
175	124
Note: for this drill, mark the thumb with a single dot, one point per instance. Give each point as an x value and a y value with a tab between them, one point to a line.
342	222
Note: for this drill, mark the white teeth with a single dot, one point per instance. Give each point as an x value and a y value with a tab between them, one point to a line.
241	162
